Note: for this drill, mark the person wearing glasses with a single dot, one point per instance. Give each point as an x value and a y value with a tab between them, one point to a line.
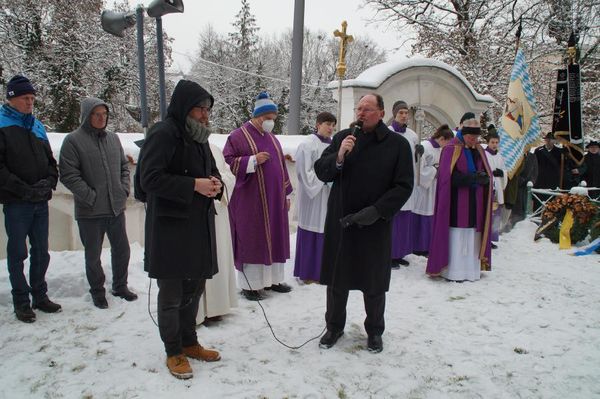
93	166
372	174
180	180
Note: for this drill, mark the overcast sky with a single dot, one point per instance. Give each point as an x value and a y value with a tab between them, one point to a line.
272	16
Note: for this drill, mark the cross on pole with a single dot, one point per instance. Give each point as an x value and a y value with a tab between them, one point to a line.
344	40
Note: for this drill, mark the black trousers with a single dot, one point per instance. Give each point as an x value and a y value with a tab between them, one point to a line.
91	232
335	316
178	302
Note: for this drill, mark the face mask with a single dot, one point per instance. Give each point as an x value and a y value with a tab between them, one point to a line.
268	125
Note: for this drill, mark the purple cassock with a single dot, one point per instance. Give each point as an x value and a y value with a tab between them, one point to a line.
463	207
402	240
258	209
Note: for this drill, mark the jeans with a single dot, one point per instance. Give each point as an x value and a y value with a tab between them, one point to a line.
178	302
91	232
22	220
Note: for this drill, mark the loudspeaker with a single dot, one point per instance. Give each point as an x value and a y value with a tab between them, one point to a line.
116	22
158	8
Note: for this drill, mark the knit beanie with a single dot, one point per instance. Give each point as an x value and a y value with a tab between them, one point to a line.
398	105
263	105
18	86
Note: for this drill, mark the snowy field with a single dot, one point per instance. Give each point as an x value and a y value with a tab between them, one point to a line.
528	329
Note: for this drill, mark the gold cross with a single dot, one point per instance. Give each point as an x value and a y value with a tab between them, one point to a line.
344	40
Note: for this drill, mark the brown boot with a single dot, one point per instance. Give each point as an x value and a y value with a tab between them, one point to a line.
199	353
180	367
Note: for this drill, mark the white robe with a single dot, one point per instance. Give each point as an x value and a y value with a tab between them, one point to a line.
413	140
312	193
497	162
424	192
463	258
220	294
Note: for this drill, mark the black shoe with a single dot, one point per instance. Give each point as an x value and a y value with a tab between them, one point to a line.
330	338
403	262
125	294
494	246
395	264
47	306
25	314
100	302
281	287
375	344
252	295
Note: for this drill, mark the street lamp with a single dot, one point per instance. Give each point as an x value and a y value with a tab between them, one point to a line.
116	22
157	9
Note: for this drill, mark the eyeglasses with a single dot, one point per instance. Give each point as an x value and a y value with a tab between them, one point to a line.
364	110
208	110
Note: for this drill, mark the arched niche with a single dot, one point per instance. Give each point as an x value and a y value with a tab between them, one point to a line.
434	86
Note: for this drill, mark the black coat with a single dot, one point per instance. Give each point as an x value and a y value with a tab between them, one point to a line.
180	234
24	160
379	172
548	167
592	172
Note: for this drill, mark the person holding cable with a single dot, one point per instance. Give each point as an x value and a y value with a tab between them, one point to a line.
372	174
180	181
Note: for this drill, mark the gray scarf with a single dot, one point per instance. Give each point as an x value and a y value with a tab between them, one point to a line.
198	131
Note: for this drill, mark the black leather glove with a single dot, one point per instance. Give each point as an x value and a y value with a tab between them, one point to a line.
482	178
419	151
463	179
498	173
365	217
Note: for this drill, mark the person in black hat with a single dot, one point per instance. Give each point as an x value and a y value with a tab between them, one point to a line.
28	174
548	159
592	173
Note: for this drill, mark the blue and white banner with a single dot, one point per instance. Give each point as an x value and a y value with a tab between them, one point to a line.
519	125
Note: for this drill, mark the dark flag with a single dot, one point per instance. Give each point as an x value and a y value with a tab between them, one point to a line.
560	121
574	145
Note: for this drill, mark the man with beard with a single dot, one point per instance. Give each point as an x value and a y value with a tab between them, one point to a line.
180	179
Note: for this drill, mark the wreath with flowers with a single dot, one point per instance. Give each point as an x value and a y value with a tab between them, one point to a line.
583	210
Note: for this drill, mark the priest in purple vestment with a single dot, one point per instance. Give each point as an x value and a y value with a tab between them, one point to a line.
258	210
463	209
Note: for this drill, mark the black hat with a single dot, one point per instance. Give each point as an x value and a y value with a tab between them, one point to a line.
549	135
398	105
591	143
18	86
470	130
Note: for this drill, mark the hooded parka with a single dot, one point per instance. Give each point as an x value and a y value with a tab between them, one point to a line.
180	223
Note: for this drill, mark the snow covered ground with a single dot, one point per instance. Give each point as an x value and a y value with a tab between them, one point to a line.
528	329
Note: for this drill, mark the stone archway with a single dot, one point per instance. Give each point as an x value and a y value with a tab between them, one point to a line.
438	88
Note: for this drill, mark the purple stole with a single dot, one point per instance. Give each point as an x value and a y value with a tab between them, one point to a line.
453	157
258	210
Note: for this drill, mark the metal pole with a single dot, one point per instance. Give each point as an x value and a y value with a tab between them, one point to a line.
529	199
339	110
161	69
142	67
293	123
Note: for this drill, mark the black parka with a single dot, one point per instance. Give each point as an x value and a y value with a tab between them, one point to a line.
180	234
378	172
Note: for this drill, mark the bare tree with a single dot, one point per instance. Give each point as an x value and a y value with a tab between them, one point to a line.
478	38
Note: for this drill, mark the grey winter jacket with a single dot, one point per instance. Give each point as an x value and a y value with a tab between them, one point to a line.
93	166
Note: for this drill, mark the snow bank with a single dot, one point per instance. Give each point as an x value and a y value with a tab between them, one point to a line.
530	329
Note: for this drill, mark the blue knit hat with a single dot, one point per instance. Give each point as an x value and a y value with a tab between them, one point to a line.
18	86
263	105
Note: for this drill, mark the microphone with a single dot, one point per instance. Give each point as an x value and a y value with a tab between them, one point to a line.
357	128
